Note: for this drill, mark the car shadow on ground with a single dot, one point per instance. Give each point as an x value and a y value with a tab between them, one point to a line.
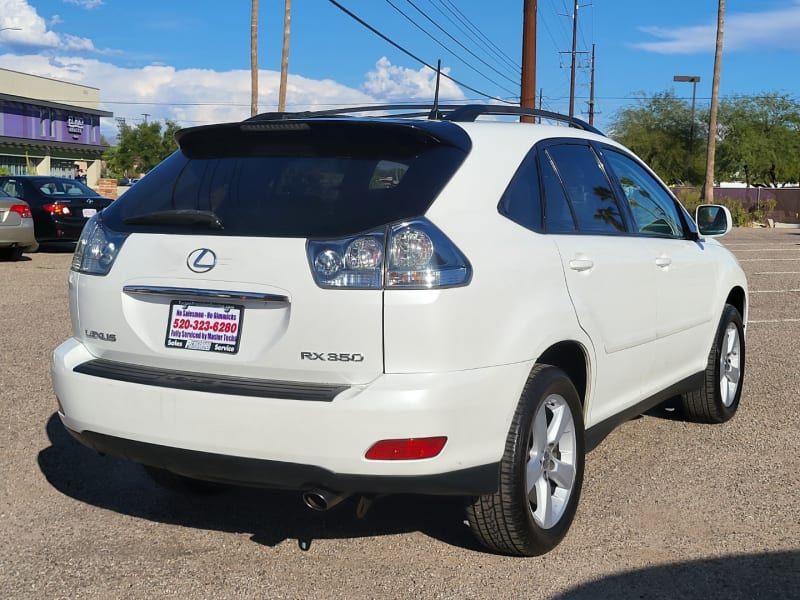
270	517
669	410
773	575
57	247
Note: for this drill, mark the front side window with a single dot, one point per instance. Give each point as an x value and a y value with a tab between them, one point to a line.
654	211
588	189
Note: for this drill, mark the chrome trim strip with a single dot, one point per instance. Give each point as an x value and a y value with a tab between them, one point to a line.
176	292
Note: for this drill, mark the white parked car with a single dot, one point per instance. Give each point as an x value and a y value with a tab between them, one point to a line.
360	306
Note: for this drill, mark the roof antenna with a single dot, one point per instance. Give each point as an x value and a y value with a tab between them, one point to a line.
435	114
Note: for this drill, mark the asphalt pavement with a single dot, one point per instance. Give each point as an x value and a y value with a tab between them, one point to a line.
669	509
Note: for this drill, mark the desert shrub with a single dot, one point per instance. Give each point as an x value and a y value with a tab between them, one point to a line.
741	218
690	198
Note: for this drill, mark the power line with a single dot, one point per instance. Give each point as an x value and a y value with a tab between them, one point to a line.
479	32
411	55
440	28
418	26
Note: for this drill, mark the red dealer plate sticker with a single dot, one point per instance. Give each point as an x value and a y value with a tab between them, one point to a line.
205	327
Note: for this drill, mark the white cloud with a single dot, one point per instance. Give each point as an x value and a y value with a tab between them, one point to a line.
395	83
87	4
769	29
190	96
202	96
34	33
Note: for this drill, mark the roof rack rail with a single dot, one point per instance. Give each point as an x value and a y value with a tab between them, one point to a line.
470	112
462	113
350	110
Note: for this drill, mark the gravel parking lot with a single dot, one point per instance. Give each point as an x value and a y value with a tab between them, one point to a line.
669	509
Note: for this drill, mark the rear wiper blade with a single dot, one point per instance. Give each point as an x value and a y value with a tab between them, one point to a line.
185	217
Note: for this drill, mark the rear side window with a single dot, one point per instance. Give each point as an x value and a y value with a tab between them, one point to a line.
588	189
521	202
12	187
330	180
558	214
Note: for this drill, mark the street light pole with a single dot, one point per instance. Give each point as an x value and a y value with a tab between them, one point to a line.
694	80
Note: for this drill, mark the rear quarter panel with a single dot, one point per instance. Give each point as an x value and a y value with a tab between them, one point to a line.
516	304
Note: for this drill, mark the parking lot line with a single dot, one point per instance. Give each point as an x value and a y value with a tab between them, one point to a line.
741	260
776	273
794	249
765	321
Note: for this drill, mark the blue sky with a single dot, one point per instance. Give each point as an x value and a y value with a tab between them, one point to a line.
189	60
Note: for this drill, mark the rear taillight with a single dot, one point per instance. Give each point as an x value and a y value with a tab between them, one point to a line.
23	210
97	248
57	209
411	255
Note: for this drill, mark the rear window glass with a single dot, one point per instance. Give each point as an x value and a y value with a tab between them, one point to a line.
328	183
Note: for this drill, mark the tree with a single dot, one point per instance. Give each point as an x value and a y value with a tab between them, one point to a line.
658	129
287	21
141	148
253	57
760	140
708	190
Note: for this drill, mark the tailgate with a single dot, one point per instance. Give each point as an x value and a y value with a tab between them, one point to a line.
257	313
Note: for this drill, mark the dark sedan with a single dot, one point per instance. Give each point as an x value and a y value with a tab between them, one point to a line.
60	206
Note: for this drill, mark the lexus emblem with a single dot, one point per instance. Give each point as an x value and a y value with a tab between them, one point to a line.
201	260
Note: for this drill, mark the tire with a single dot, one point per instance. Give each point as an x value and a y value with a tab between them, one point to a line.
182	484
718	397
544	453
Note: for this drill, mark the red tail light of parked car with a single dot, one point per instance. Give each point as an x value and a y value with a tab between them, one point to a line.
57	209
23	210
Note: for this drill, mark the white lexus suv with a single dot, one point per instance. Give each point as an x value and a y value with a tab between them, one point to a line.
351	305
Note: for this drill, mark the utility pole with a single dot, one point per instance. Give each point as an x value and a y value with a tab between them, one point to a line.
145	115
574	52
591	92
253	57
528	89
287	25
708	192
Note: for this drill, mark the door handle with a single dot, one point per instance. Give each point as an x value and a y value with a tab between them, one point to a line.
581	264
663	261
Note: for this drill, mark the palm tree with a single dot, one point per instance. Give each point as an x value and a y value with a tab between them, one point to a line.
287	22
254	57
708	192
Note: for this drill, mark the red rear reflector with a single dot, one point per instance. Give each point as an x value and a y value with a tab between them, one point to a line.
407	449
23	210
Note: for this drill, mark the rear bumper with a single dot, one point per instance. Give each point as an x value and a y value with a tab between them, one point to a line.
282	475
299	443
22	236
54	229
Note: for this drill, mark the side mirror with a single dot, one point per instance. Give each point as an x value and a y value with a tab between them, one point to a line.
713	220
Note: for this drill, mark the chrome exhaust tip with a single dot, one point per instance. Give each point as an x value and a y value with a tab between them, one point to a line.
321	499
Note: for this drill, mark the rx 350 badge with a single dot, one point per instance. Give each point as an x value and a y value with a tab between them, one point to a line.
332	356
